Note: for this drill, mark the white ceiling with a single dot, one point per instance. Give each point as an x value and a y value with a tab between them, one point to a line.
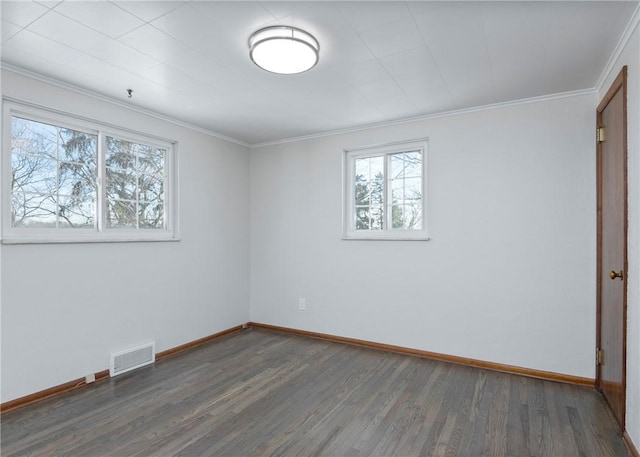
379	61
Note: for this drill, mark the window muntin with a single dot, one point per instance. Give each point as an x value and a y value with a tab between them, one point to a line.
68	179
384	196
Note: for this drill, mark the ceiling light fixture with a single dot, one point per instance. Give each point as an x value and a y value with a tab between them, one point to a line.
283	49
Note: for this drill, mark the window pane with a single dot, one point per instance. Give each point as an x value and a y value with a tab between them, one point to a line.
76	179
151	161
76	212
377	192
377	168
369	217
151	215
119	154
377	218
135	174
78	146
121	184
413	189
363	221
33	138
413	164
121	214
407	217
406	165
406	190
362	194
397	191
46	190
397	216
150	189
33	210
369	193
369	168
33	174
414	216
397	166
362	169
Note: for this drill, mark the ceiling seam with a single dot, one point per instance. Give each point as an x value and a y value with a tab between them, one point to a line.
424	41
486	49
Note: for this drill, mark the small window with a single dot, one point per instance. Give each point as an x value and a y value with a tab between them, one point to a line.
74	180
384	192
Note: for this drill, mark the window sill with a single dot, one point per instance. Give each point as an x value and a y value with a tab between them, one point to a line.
20	239
386	237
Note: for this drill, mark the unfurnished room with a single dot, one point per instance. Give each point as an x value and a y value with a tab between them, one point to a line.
315	228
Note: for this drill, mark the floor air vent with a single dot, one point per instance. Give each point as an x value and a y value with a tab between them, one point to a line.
121	362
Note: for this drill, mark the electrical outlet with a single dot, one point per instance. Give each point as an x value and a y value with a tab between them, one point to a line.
90	378
302	304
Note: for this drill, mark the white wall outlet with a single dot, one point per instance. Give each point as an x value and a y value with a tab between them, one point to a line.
302	304
90	378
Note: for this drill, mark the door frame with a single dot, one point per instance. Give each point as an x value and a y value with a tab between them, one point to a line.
620	83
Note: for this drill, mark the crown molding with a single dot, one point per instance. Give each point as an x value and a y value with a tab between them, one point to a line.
410	120
104	98
617	51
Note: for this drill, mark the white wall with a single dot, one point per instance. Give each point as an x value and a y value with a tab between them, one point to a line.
65	307
631	57
508	275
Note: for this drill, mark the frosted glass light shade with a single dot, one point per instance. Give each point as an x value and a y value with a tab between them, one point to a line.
285	50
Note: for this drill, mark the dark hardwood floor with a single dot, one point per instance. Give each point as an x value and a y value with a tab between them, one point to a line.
263	393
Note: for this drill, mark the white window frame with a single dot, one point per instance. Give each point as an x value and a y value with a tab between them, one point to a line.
17	235
387	233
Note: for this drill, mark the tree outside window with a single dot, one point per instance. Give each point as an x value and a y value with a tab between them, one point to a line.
75	180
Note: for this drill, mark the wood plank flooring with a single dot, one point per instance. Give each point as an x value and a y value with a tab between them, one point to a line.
263	393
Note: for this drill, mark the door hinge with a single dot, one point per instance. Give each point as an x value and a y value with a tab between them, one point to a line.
599	356
600	134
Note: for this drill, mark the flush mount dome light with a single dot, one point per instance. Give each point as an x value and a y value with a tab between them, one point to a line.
283	49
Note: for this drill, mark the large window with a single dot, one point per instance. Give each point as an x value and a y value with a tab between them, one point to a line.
384	191
69	179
